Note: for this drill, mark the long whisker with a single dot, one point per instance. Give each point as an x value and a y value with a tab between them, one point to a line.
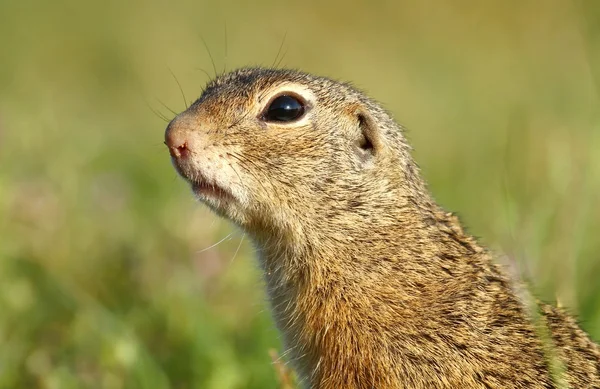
157	113
279	50
180	89
281	59
216	244
166	106
238	249
212	60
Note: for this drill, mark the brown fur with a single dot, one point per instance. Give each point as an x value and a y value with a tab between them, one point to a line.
371	283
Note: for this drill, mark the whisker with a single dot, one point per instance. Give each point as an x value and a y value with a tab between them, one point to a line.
205	73
166	106
279	50
243	160
157	113
212	60
239	120
281	59
216	244
180	89
238	249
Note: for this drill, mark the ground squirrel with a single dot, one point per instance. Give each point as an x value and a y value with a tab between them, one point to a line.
371	283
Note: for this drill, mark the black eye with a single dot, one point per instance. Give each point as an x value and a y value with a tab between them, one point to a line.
284	108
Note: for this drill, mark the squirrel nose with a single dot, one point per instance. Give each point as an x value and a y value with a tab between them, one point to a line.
176	140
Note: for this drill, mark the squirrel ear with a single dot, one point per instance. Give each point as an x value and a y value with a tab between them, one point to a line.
370	142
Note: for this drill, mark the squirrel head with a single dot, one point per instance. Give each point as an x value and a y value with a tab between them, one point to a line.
267	147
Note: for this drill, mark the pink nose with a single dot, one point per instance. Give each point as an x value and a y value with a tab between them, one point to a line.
176	140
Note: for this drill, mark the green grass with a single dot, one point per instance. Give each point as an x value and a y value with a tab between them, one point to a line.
103	281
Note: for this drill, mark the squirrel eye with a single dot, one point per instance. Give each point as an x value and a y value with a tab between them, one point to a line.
284	108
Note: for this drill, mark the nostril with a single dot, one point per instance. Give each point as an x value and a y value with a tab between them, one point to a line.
178	138
180	151
177	143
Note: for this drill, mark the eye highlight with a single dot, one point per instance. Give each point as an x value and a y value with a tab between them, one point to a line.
284	109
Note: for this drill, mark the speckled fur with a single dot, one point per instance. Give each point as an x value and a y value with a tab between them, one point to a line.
371	283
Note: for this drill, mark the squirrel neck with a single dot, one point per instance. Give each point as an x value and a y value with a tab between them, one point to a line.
331	289
417	252
328	251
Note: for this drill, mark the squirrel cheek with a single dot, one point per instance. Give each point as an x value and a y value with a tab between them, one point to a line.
216	166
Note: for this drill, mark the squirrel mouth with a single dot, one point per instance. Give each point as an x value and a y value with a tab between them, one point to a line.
203	188
206	190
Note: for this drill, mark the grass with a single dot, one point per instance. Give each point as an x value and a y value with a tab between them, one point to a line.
104	277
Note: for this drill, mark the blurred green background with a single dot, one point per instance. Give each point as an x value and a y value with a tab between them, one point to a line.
107	274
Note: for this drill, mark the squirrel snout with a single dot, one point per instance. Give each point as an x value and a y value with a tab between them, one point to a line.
176	139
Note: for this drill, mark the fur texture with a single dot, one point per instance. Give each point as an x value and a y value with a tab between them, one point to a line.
371	283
